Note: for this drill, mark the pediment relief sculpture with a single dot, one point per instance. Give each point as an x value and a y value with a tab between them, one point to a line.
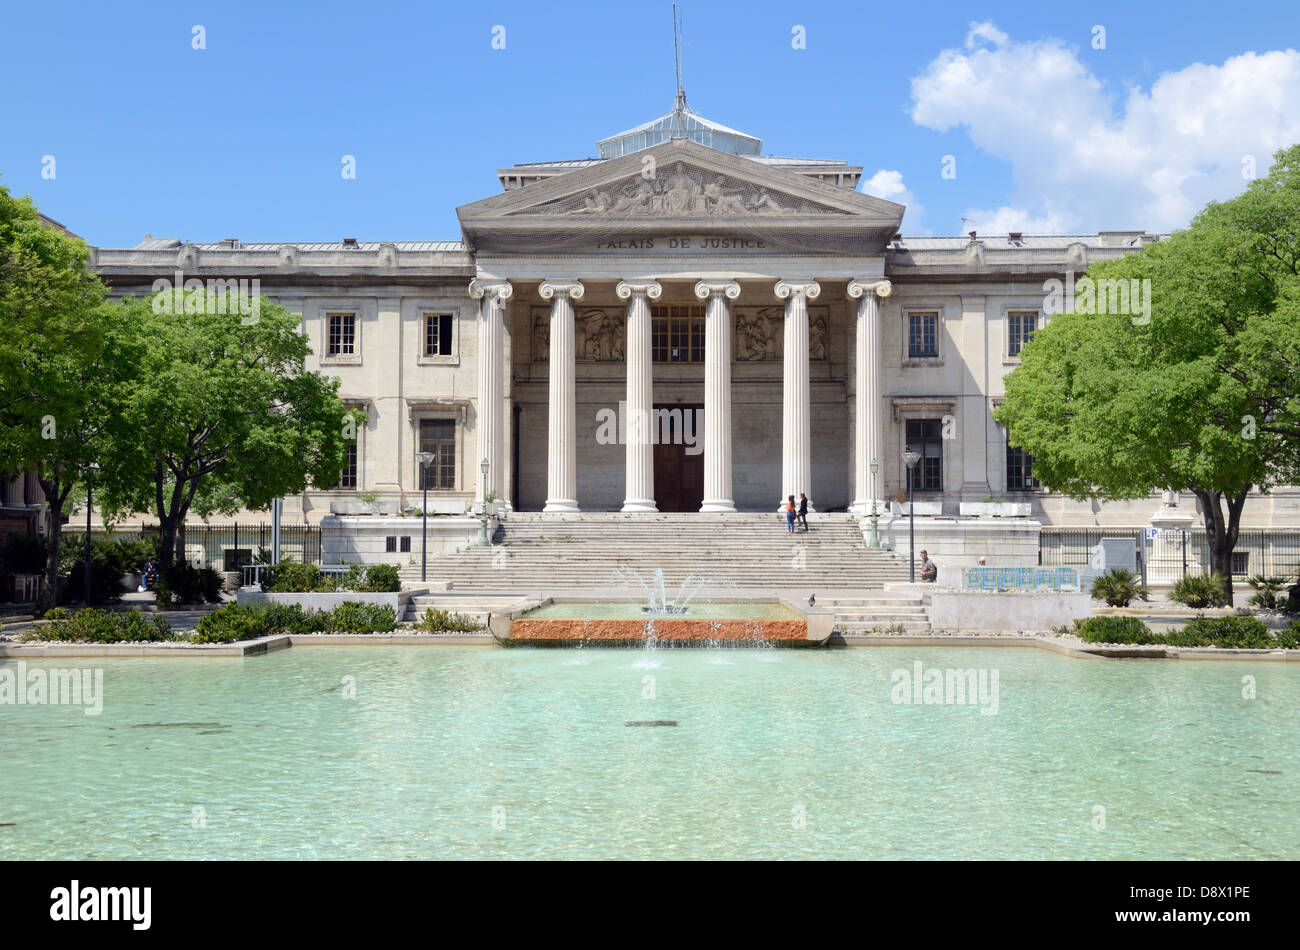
680	190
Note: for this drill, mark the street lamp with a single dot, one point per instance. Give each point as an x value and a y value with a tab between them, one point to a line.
483	517
911	458
875	515
425	459
91	469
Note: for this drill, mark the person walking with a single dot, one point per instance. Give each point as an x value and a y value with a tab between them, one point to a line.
789	515
803	510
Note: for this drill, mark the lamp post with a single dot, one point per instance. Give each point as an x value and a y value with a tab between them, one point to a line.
425	459
875	515
91	469
483	517
911	458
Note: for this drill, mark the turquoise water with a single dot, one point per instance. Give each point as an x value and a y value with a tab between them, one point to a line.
705	610
480	752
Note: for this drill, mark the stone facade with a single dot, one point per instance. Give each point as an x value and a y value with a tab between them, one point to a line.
809	330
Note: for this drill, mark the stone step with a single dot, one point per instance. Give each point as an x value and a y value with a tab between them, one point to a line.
857	627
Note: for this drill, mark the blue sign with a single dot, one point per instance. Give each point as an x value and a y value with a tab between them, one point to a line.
1021	578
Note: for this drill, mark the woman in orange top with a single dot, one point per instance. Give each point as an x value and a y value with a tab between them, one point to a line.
789	515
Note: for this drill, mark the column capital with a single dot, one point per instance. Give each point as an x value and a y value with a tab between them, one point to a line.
712	288
481	287
798	288
564	286
859	286
648	288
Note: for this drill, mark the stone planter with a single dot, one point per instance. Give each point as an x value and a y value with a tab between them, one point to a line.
994	509
131	581
929	509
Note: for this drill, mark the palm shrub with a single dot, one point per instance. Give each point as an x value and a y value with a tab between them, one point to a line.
1118	588
1266	591
183	584
1244	632
1200	591
1114	630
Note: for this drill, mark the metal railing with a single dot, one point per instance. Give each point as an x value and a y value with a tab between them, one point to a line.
252	573
1167	555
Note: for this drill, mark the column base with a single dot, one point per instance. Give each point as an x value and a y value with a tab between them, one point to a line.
640	504
718	504
561	505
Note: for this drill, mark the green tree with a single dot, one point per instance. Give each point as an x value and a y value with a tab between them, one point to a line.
1205	396
224	415
63	357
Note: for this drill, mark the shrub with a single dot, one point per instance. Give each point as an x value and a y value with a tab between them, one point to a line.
287	618
382	577
436	620
1200	591
1244	632
93	625
354	617
291	577
1267	590
1114	630
183	584
57	613
1118	588
231	623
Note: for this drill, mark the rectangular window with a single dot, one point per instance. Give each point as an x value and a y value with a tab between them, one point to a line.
926	437
438	437
921	341
406	543
1021	325
390	544
348	477
677	333
1240	563
342	340
437	334
1020	470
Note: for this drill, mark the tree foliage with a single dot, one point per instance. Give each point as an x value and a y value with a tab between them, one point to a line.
1205	397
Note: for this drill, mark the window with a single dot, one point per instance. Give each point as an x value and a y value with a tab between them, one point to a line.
342	339
348	477
437	334
1020	470
390	544
1240	563
926	437
406	543
921	342
438	437
1021	325
677	334
235	558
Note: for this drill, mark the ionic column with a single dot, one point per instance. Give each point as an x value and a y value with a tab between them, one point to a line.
640	484
562	452
869	385
796	415
492	296
717	392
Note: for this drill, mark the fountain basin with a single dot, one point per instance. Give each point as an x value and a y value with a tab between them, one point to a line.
614	621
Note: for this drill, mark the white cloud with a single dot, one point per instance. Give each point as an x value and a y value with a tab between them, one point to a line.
1082	159
888	184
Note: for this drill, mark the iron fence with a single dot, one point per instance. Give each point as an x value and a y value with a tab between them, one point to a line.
1165	555
228	547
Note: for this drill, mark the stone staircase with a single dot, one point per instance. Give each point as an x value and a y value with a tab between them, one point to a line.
743	553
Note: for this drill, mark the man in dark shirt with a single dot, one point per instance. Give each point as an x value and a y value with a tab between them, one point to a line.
803	510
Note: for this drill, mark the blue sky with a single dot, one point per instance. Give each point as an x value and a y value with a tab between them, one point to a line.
246	137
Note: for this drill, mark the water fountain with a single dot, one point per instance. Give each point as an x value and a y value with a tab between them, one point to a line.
655	619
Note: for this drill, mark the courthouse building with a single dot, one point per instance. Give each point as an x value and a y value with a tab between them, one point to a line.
681	323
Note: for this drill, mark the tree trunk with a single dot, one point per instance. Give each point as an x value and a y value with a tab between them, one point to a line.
53	533
1221	531
167	540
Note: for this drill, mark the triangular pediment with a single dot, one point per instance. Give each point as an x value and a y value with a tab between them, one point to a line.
680	189
674	186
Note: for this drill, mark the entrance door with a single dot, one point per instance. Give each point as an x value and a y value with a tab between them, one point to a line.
679	475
